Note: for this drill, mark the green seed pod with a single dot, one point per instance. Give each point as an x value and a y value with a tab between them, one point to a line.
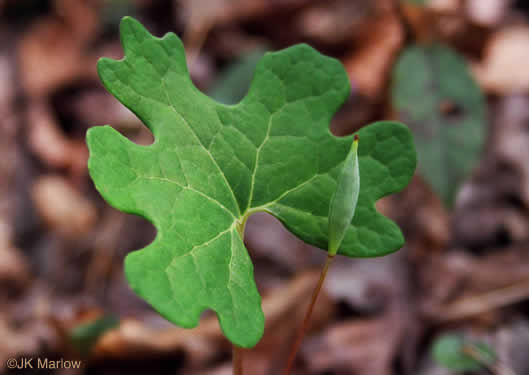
343	203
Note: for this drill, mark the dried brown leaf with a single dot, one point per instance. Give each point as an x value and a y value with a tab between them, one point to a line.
369	65
54	52
461	286
50	144
487	13
357	347
62	207
503	69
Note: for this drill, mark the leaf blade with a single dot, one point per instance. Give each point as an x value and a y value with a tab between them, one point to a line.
304	210
211	165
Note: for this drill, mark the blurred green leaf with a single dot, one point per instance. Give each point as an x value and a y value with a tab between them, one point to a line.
451	351
435	94
85	336
233	83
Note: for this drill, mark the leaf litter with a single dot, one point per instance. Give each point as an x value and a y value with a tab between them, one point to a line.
472	250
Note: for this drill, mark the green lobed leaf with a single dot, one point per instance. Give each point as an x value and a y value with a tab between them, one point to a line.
435	94
449	351
212	165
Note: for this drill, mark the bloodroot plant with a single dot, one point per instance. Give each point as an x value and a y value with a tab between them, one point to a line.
213	165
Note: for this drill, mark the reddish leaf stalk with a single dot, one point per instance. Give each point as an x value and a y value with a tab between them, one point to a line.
306	321
237	353
237	360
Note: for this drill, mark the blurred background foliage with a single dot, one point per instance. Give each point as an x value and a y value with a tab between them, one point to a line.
455	71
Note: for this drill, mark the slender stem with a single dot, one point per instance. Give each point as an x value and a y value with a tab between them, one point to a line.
236	351
306	321
237	360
